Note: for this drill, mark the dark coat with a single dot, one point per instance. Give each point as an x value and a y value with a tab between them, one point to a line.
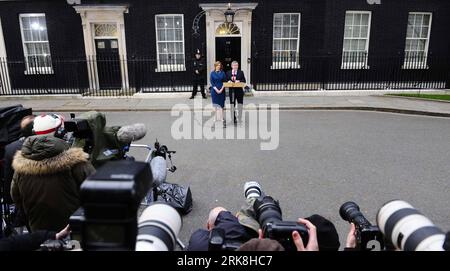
229	223
198	65
10	151
47	180
26	242
239	76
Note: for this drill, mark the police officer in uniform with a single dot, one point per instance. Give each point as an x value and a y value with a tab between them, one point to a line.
199	75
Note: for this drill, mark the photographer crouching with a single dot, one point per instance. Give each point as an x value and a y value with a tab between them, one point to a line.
48	175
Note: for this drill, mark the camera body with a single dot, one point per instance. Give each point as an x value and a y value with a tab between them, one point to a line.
368	236
268	213
217	241
110	199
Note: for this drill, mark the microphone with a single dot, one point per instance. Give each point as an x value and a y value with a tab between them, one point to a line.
130	133
159	170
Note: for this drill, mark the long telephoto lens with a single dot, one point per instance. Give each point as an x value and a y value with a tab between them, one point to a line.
349	211
158	228
408	229
252	189
267	211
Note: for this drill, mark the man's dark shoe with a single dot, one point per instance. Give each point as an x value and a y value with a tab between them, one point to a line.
192	97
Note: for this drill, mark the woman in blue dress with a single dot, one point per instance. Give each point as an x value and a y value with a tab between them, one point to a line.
218	91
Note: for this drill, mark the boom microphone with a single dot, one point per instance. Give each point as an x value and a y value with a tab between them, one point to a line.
130	133
159	170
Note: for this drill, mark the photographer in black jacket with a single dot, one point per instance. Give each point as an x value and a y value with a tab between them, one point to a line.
218	217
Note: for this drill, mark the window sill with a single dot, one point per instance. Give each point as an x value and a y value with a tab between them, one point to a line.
39	71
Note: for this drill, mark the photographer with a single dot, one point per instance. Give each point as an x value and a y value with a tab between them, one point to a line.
26	130
31	241
218	217
322	233
48	175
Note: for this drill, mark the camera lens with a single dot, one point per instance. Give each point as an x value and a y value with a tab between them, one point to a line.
349	211
267	211
158	228
252	189
408	229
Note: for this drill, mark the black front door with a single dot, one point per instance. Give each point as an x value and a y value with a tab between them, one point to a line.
108	63
228	49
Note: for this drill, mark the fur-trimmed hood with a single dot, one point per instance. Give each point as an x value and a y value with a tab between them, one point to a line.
61	162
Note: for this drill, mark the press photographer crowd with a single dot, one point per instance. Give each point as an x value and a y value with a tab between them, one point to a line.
72	185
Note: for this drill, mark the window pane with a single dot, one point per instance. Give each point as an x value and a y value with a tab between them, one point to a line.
421	45
163	59
171	47
364	32
44	36
160	22
25	22
362	45
356	31
293	45
170	35
277	32
162	47
178	34
178	22
294	20
35	35
178	47
348	32
357	19
365	19
169	22
409	31
286	19
27	35
30	49
277	45
42	23
294	32
285	45
347	45
286	32
349	19
408	45
426	20
424	32
414	45
354	45
277	19
411	19
416	32
161	35
46	48
179	59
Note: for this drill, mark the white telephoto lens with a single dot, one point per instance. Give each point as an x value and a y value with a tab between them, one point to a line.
408	229
158	228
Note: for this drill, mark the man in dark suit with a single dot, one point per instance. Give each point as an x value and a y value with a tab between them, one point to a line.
236	94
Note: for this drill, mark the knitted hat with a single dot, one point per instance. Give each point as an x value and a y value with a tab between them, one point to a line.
47	123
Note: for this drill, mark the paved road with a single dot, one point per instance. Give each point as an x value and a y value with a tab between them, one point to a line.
324	159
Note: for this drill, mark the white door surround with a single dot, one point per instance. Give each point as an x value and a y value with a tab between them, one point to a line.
103	14
5	85
214	16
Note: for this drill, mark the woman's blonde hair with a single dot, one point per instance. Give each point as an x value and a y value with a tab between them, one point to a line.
217	63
